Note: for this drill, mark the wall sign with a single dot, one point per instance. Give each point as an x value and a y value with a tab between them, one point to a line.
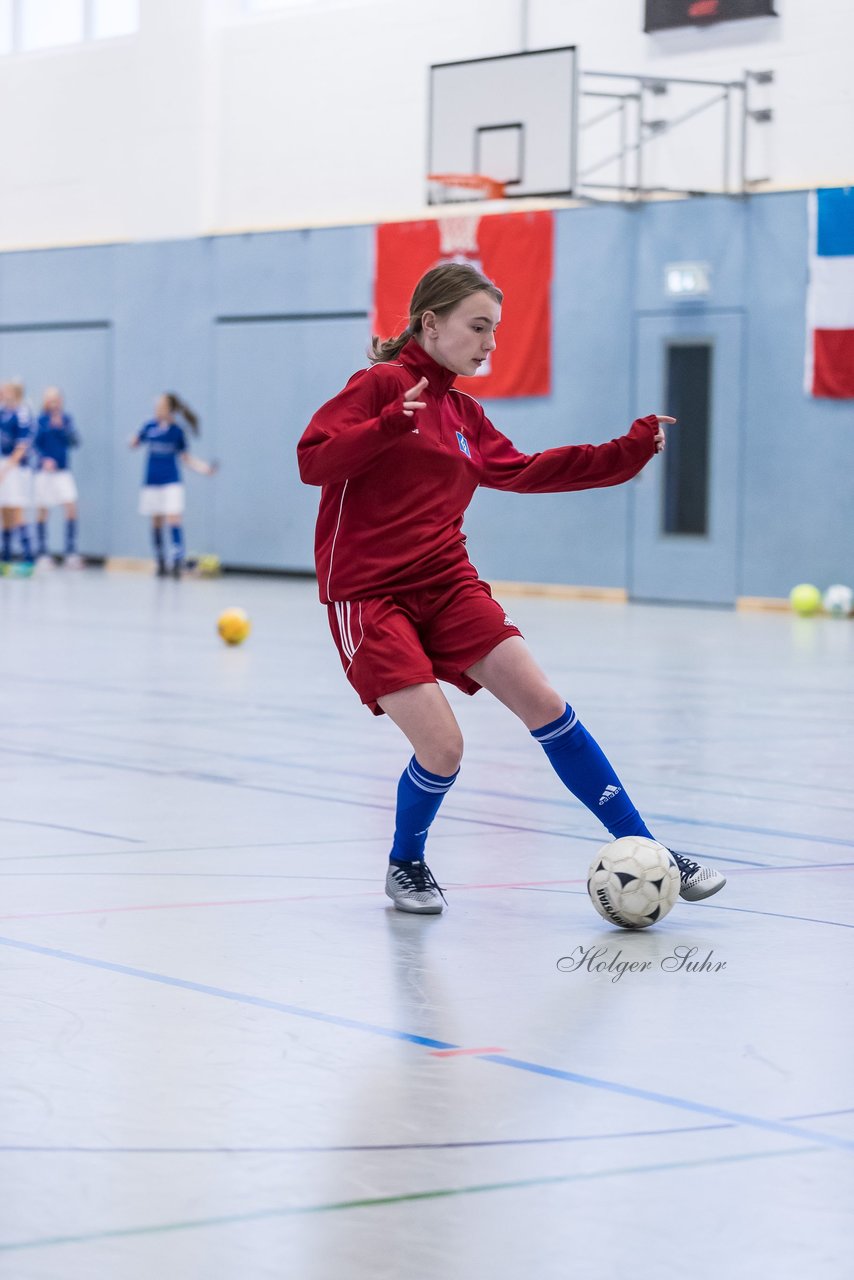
663	14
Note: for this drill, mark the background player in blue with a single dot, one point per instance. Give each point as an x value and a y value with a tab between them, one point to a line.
16	477
54	484
162	495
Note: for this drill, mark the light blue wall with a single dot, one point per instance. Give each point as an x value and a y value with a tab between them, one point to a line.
254	330
577	538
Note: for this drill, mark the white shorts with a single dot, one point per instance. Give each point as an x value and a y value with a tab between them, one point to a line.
16	487
161	500
54	489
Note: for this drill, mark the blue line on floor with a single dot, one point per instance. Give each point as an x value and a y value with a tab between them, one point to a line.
484	821
237	996
779	915
360	1148
80	831
710	906
754	831
328	1149
668	1100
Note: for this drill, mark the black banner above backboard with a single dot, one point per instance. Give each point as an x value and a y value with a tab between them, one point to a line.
661	14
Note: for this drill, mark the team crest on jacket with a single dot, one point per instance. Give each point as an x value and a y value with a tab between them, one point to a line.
464	445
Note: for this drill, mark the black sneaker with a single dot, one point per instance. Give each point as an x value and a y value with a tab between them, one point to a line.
411	887
698	882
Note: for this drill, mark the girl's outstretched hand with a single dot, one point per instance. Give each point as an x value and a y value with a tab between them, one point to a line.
660	438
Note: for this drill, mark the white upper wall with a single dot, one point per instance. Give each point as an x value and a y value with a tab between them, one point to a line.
209	120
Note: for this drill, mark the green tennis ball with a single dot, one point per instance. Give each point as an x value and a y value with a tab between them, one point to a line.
805	599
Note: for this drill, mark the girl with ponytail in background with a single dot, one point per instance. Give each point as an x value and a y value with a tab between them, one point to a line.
162	495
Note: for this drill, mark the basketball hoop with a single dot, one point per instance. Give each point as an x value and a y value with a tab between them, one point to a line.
451	188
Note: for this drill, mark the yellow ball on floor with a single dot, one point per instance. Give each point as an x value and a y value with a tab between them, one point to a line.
208	566
805	599
234	626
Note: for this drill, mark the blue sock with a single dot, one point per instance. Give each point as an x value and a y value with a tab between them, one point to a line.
26	545
70	536
41	537
177	543
7	546
583	768
419	795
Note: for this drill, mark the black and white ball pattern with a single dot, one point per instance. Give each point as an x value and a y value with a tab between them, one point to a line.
633	882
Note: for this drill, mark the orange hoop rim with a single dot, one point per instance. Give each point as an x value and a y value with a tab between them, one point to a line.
489	188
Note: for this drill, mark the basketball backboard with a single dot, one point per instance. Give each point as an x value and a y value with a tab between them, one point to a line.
510	117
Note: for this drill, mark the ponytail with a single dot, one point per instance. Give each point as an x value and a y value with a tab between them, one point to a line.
390	349
177	405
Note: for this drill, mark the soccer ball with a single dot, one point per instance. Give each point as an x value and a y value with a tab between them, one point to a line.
838	600
633	882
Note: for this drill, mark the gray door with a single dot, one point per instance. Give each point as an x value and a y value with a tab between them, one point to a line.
271	375
75	358
684	525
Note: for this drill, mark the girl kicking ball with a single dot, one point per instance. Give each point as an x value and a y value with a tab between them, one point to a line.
162	495
399	454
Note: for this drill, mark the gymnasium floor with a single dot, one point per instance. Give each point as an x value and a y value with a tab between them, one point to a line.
225	1056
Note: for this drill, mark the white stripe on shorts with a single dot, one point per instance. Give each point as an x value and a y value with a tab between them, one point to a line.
343	631
361	636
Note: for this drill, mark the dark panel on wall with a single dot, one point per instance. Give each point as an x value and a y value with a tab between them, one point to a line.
686	460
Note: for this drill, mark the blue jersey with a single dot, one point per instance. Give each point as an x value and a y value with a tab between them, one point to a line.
15	430
165	445
54	441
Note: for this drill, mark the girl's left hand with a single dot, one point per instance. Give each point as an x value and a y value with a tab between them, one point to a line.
660	438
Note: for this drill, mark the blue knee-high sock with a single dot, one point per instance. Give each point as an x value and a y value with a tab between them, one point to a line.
6	553
584	769
41	537
419	795
177	543
157	539
70	536
26	545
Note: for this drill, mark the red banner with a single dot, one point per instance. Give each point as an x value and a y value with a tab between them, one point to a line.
514	250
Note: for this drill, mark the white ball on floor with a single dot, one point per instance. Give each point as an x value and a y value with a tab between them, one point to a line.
633	882
838	600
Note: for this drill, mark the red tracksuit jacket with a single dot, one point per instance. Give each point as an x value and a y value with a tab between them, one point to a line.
395	488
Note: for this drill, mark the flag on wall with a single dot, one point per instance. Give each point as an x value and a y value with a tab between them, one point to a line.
830	295
514	250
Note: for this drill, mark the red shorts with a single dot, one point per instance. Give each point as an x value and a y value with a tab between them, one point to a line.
387	643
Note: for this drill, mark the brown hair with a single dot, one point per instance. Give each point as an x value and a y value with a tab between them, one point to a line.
440	290
176	405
